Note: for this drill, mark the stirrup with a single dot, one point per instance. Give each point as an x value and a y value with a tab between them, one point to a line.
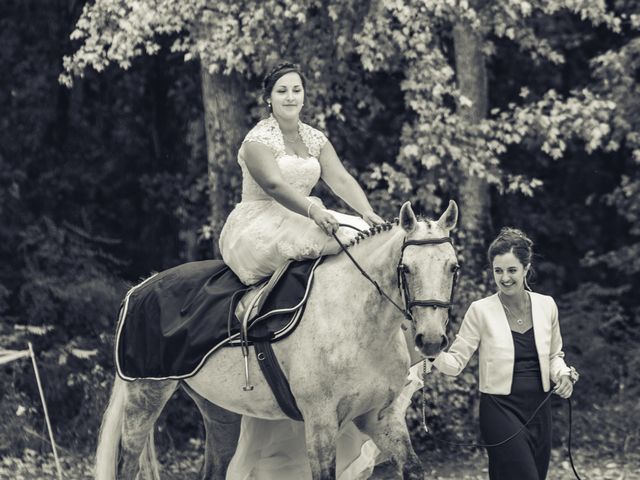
256	304
245	343
247	385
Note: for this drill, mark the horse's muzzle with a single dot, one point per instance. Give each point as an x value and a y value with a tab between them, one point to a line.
430	349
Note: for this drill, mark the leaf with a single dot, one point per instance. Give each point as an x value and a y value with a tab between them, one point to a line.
34	329
83	354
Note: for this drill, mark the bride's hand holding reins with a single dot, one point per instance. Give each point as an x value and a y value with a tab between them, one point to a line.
323	219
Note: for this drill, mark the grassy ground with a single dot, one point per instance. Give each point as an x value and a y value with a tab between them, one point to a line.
474	467
467	466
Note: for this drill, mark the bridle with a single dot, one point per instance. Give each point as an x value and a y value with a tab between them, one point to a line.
403	283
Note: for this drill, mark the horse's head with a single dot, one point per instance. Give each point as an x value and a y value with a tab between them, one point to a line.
426	272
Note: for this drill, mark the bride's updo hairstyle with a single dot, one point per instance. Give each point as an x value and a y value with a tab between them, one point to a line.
275	74
514	241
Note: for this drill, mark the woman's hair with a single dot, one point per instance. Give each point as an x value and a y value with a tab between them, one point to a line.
514	241
276	73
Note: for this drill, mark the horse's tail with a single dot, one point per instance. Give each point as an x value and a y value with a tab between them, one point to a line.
111	433
149	465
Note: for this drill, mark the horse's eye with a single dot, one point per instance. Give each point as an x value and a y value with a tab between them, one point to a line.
455	268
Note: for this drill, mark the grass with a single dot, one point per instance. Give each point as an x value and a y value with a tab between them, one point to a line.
465	465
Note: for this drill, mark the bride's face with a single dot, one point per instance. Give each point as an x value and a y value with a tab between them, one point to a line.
287	96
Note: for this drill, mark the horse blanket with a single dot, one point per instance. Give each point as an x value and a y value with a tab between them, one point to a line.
171	323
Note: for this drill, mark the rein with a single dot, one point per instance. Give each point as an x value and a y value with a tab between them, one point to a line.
403	284
405	311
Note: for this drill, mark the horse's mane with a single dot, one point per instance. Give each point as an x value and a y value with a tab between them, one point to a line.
385	227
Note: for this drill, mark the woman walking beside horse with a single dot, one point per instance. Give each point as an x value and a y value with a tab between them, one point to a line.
518	335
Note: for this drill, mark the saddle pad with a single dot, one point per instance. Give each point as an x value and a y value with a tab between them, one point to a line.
172	322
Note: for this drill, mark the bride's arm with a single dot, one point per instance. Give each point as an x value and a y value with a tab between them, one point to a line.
265	171
344	185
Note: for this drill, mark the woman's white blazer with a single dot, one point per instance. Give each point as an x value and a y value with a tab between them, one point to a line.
485	328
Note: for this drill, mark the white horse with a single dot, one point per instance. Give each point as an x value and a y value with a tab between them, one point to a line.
346	361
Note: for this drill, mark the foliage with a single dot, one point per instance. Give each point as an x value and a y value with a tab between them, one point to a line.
85	208
615	73
595	318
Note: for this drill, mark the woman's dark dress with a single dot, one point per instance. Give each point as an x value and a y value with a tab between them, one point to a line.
525	457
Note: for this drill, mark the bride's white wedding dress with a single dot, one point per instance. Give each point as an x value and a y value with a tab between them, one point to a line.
259	236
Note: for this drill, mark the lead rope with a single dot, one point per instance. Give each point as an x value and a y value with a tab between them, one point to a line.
569	442
490	445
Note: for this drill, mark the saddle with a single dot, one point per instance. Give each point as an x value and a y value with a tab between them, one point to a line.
173	322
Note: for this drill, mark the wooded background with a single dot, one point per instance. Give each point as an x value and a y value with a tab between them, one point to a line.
119	130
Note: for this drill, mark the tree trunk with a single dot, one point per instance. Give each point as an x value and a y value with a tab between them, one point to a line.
190	224
474	192
223	97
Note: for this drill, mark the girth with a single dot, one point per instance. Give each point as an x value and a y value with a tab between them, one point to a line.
276	379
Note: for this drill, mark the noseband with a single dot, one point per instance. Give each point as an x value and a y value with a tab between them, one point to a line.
403	284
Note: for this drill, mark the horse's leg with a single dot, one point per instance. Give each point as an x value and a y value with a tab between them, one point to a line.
144	400
388	430
222	429
321	432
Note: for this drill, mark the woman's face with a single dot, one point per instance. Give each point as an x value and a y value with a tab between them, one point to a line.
287	96
509	274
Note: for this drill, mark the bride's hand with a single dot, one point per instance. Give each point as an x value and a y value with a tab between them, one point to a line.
372	219
324	220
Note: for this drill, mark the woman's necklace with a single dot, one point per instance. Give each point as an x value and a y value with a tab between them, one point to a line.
519	319
291	141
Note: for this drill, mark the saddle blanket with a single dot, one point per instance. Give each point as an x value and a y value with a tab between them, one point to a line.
171	323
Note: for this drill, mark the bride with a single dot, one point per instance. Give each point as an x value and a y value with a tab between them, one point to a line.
281	160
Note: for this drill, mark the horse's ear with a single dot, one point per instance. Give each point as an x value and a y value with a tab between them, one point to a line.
449	218
408	219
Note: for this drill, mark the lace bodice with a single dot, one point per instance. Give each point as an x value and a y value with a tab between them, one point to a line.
301	173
